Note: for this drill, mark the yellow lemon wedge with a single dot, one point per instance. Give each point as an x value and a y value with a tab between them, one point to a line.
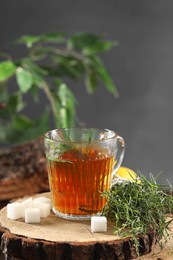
126	174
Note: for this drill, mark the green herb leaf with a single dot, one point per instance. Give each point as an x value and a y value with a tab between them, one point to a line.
28	130
14	104
89	43
29	40
65	103
33	67
22	122
50	56
24	79
53	37
105	77
138	208
91	81
38	72
68	66
7	69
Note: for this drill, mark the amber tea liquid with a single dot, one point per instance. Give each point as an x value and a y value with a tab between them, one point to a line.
77	180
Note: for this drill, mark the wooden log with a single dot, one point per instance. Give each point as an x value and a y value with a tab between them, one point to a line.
23	170
56	238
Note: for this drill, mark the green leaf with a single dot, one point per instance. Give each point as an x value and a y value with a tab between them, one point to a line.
20	103
30	40
45	61
28	130
99	47
65	94
89	43
24	79
14	103
7	69
36	76
68	66
33	67
65	103
81	40
105	77
40	126
3	93
38	72
35	93
21	122
91	82
70	111
53	37
139	208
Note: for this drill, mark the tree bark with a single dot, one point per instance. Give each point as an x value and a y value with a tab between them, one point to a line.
17	247
23	170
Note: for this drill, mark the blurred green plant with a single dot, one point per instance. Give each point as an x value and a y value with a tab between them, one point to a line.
50	60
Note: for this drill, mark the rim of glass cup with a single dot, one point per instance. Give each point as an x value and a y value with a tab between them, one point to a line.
104	130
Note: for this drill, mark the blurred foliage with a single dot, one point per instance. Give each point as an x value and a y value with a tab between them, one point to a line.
50	59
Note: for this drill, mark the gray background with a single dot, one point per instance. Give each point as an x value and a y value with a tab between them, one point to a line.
141	66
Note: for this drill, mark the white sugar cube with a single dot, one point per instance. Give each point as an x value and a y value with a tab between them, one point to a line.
28	203
14	210
98	224
32	215
42	200
30	209
44	209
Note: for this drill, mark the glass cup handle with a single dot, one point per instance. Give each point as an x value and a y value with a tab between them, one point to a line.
120	154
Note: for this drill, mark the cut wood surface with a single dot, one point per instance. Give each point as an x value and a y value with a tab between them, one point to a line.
56	238
23	170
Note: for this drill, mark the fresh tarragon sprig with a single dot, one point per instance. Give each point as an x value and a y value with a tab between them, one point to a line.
138	209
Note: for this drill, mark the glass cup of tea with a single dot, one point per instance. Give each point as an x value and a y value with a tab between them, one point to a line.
81	163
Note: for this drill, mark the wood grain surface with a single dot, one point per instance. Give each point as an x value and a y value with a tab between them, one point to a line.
56	238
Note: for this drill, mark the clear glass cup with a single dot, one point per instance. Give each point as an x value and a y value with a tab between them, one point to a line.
81	163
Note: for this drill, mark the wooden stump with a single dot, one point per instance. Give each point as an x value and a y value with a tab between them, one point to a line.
55	238
23	170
